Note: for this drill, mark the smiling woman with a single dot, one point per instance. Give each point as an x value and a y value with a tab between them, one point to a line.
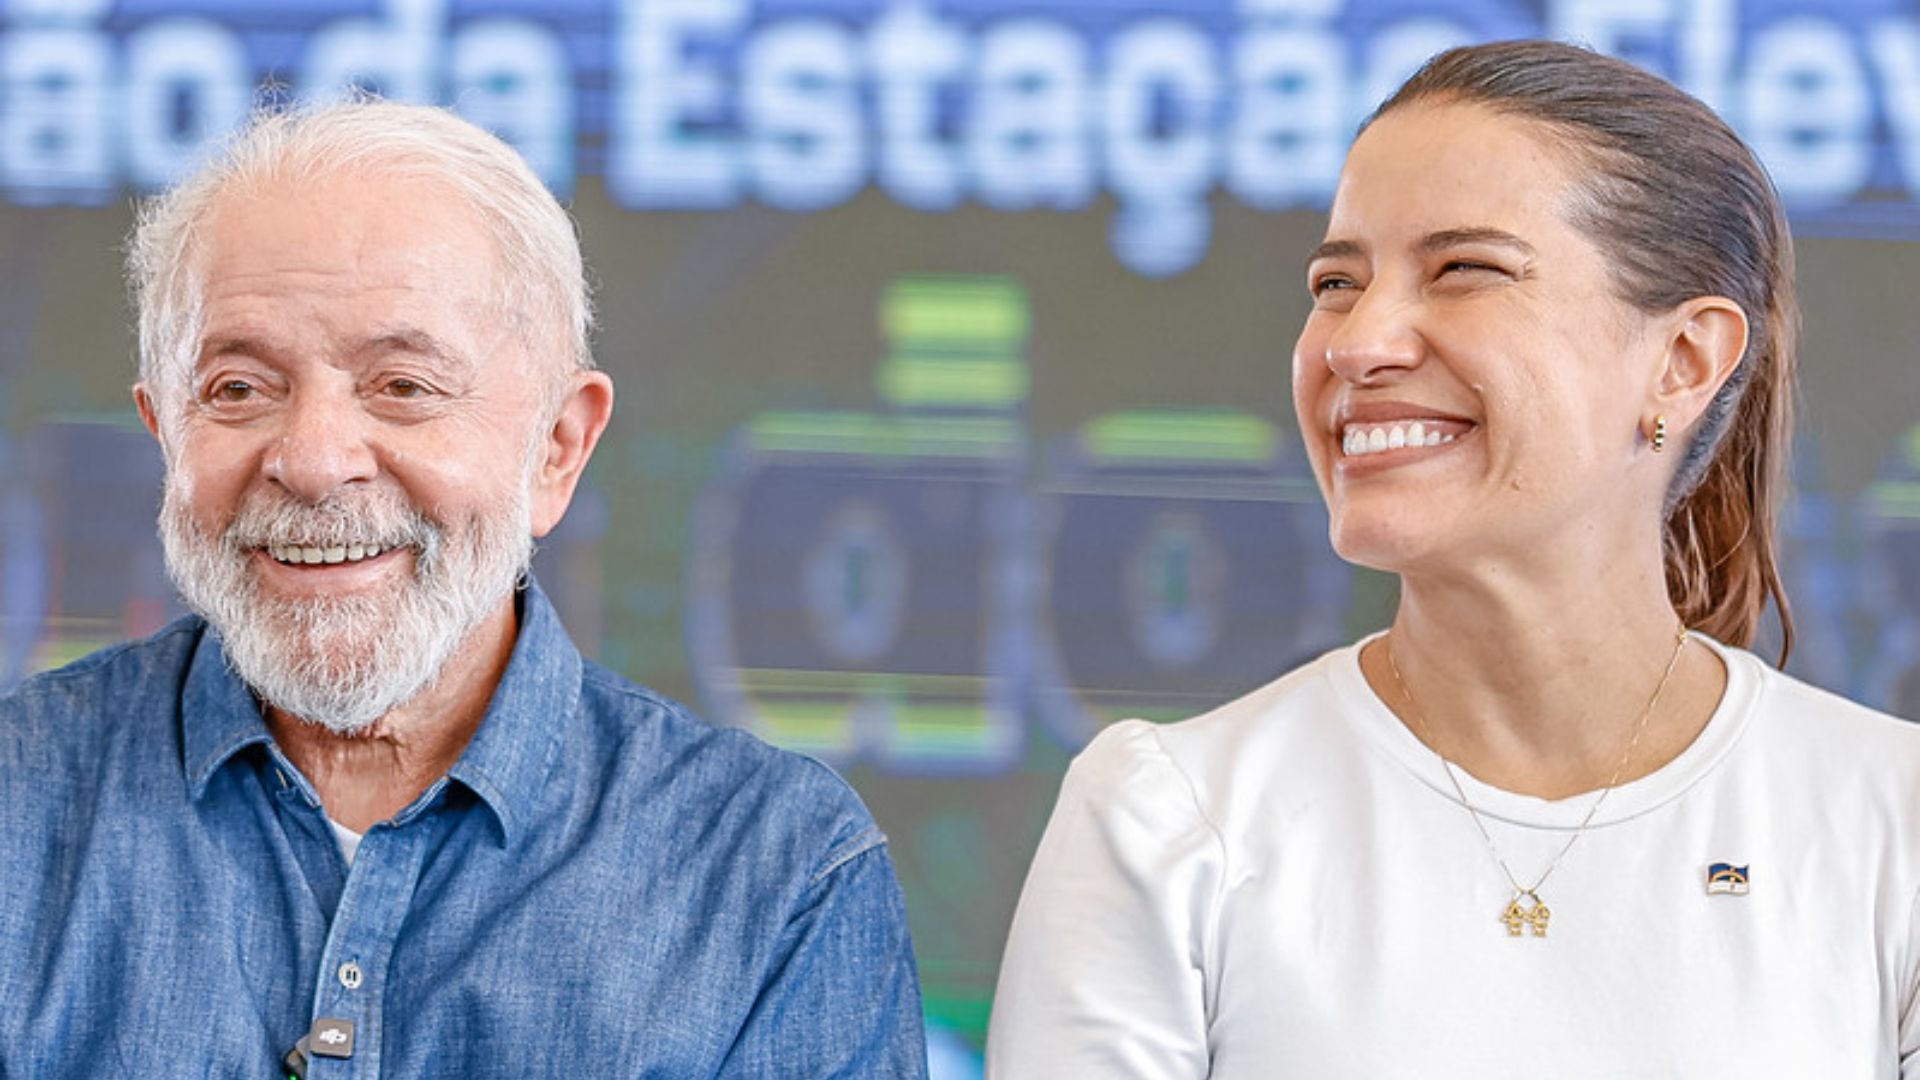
1545	382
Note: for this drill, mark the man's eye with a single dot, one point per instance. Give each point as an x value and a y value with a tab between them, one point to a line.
404	388
1329	283
1468	266
232	390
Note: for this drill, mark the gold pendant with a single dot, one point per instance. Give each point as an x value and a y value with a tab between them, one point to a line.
1532	912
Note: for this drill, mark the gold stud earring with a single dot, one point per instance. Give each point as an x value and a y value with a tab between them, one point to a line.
1659	439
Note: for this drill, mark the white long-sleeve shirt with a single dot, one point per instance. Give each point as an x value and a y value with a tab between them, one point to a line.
1289	887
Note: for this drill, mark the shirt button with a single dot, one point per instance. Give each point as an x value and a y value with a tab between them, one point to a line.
350	975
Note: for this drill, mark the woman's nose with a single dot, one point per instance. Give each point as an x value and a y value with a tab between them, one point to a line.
1376	338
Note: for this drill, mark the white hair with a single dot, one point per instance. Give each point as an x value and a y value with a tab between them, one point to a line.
541	270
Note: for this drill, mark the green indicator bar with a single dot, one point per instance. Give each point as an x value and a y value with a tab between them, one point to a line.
921	382
806	725
1106	712
1896	499
1180	437
955	310
931	728
792	431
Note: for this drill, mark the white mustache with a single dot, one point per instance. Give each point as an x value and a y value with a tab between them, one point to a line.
383	521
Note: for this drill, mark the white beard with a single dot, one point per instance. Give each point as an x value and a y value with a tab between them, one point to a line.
344	662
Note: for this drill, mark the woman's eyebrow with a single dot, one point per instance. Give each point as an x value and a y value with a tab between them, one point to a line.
1448	238
1439	240
1335	249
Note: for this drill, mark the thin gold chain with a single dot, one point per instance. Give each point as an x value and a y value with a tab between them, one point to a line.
1626	755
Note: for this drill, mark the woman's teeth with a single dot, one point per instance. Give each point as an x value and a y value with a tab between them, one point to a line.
295	554
1363	439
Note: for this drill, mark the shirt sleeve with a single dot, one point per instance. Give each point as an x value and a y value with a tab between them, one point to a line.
841	997
1105	973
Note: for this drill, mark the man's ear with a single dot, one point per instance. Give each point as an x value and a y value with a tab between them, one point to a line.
568	444
1706	343
149	411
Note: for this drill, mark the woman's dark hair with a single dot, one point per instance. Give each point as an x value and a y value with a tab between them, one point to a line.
1682	209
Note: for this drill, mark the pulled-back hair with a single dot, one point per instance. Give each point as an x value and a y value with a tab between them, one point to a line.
1681	208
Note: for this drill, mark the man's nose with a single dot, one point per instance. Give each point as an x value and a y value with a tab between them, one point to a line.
1377	339
322	446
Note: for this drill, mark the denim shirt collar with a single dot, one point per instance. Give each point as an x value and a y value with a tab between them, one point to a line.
507	762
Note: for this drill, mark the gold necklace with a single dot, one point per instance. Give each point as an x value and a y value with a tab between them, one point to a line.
1525	908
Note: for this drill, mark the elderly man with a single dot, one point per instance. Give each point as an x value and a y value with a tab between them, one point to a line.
369	813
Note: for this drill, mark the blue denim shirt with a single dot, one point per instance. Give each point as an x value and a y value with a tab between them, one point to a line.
602	886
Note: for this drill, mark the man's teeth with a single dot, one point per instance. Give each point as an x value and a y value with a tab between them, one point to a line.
1363	439
295	554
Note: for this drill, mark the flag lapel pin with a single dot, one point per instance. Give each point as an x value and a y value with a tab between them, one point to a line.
1727	879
